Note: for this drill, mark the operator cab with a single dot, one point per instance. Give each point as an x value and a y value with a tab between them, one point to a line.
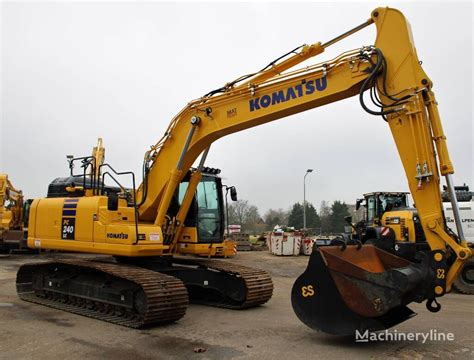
377	203
206	212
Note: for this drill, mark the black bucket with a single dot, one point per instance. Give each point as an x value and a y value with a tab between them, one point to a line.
351	288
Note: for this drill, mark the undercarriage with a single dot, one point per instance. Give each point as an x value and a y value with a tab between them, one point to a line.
140	292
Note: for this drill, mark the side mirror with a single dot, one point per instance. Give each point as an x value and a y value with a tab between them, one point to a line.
348	219
358	202
233	193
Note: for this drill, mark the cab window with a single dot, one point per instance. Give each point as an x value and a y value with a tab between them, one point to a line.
370	209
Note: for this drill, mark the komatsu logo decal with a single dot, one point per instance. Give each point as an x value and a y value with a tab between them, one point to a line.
117	236
293	92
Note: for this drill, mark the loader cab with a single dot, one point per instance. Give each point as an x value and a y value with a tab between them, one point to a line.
377	203
206	212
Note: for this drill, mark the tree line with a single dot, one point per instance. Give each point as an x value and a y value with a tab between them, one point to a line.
329	219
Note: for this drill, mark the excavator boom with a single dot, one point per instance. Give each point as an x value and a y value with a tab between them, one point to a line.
389	67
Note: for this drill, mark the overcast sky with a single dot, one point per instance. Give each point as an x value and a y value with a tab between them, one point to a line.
72	72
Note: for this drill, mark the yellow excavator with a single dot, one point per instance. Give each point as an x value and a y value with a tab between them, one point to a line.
11	216
175	210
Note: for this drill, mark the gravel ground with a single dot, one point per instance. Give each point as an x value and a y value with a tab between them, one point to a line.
271	331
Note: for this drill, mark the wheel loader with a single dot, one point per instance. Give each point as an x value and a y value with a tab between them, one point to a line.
390	223
464	283
147	230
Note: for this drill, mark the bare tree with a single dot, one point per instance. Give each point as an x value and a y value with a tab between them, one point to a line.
276	217
243	214
238	211
325	216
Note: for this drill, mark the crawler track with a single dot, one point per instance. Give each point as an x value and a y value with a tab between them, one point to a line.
155	298
258	283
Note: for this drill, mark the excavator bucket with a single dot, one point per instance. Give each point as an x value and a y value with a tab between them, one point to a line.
351	288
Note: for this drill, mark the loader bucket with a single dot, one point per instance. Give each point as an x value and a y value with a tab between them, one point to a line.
351	288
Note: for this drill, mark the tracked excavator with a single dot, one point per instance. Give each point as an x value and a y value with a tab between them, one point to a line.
12	220
344	288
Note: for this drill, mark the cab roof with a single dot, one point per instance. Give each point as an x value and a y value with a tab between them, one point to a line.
391	193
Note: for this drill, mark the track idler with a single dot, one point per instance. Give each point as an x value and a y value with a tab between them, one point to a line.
349	288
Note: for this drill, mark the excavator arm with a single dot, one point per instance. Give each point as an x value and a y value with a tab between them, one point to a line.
391	74
389	67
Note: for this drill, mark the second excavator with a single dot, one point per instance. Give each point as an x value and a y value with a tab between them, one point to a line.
13	216
176	209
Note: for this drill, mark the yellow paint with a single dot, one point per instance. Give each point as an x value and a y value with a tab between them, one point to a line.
307	291
10	218
440	274
406	224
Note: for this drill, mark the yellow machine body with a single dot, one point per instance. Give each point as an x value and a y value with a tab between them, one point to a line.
402	224
85	225
11	215
12	219
384	209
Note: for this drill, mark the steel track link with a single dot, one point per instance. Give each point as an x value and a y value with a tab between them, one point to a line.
258	282
166	296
